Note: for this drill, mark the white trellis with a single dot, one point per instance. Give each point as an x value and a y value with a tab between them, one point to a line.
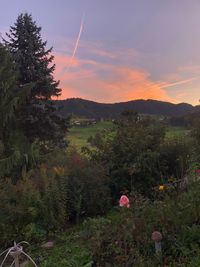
15	251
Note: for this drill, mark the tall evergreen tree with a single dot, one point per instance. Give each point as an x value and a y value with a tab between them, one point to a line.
8	92
38	117
12	97
9	99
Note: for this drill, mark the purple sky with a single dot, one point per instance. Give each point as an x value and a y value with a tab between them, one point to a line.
128	49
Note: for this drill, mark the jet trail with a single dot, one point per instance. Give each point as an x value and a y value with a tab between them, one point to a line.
77	42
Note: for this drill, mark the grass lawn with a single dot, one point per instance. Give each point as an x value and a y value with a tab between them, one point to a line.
78	136
172	132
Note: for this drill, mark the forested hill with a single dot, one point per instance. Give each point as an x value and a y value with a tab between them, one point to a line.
91	109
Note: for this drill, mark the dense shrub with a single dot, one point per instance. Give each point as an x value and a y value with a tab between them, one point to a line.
130	154
124	237
63	189
88	187
175	157
19	205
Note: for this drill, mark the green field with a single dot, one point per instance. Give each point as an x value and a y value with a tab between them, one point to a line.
78	136
175	132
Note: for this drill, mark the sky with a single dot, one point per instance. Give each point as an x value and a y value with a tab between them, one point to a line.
128	49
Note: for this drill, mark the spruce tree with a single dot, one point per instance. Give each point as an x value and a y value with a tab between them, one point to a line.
38	117
8	92
12	95
11	98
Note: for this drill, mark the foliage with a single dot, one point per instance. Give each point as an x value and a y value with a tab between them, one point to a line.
9	99
66	252
19	208
195	134
33	206
124	238
88	187
130	154
37	117
15	149
52	186
175	154
87	184
48	198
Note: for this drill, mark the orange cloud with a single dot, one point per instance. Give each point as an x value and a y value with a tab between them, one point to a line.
109	76
85	80
130	83
106	76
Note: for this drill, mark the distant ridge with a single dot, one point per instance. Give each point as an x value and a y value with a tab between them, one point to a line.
90	109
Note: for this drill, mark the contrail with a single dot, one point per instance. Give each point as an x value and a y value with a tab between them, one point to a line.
179	82
77	41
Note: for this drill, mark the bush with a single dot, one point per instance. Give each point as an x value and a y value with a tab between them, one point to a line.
87	187
19	205
175	157
45	200
130	154
124	238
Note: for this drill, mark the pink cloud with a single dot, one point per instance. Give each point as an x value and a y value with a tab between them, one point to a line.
121	83
109	76
63	61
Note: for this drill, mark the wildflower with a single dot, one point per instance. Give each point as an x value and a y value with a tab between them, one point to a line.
161	187
124	201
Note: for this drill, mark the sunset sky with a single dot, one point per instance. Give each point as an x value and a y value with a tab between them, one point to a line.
128	49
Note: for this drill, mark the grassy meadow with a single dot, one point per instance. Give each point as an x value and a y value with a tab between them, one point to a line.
78	136
175	132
